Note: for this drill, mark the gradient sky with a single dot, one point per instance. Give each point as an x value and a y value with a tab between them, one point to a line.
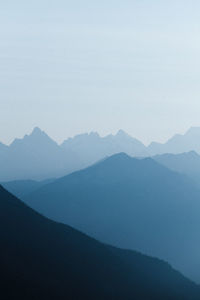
76	66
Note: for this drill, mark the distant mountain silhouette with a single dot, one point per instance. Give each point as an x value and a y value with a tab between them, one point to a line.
21	188
131	203
185	163
179	143
41	259
36	157
91	147
3	148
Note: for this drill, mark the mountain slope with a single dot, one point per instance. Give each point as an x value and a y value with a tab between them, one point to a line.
21	188
36	157
178	143
137	204
185	163
3	148
91	147
41	259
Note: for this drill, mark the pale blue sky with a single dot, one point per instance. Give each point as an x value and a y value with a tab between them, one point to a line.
75	66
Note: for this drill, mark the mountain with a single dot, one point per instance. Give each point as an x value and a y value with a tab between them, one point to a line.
91	147
41	259
178	143
21	188
35	157
38	157
130	203
3	148
185	163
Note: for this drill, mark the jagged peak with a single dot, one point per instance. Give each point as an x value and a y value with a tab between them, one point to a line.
37	135
36	130
121	132
193	130
120	155
92	134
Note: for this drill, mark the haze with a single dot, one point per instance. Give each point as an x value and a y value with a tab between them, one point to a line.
82	66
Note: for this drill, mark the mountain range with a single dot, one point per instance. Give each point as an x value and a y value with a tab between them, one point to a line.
38	157
42	259
130	203
91	147
179	143
35	157
187	163
21	188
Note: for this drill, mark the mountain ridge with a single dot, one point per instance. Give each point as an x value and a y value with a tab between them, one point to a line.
178	143
41	259
122	197
187	163
38	157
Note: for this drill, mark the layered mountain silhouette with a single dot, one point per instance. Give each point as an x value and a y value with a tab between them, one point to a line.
35	157
91	147
38	157
41	259
185	163
130	203
21	188
190	141
3	148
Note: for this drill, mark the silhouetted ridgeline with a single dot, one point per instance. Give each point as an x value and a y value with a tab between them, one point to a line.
21	188
130	203
38	157
41	259
185	163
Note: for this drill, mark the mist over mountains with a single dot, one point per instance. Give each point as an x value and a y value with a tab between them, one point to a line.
130	203
187	163
38	157
102	200
91	147
118	192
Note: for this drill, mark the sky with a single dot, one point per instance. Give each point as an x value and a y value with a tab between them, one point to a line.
80	66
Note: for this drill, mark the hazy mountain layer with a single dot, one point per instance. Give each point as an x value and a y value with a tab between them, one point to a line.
38	157
91	147
41	259
131	203
35	157
190	141
185	163
21	188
